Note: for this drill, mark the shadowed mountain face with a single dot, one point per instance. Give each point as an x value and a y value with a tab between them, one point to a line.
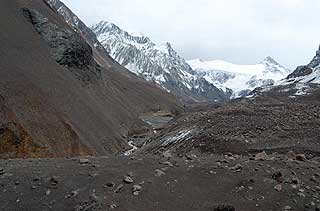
308	73
60	97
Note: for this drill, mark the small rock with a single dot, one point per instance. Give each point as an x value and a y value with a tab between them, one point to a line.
278	187
301	157
109	185
113	206
95	165
128	180
241	188
262	156
278	176
167	163
54	181
2	171
17	183
295	181
237	168
37	179
229	154
136	193
287	208
191	157
84	161
167	154
48	192
73	193
136	189
224	208
159	173
291	155
119	188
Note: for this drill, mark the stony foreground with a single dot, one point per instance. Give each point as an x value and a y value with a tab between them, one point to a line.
216	183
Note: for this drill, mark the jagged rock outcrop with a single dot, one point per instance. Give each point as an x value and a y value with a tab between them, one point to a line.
307	70
80	27
67	47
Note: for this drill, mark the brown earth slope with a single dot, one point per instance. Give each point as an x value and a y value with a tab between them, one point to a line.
75	108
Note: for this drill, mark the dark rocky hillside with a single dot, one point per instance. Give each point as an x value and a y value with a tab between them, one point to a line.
57	97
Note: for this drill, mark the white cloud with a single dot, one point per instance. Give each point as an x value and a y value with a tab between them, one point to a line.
242	31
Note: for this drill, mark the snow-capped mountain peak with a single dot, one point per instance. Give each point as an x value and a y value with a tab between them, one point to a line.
270	60
157	63
105	27
240	78
272	66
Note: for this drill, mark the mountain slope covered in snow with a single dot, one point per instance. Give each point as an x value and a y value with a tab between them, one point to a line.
196	79
241	79
304	80
160	64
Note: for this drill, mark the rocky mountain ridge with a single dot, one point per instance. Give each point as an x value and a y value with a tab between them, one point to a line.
302	81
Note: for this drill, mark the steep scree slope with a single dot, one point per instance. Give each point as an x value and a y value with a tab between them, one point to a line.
46	108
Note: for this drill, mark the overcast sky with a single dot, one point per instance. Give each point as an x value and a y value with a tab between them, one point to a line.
239	31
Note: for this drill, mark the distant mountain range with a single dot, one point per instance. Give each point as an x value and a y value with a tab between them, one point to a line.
191	81
241	79
195	79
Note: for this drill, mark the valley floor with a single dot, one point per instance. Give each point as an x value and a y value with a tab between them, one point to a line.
229	182
247	155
